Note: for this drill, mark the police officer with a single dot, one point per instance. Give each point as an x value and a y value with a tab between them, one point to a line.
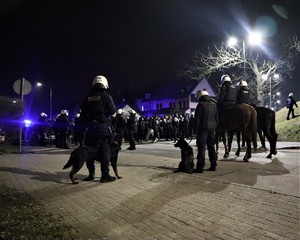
42	128
132	129
227	96
79	130
206	120
119	125
243	94
96	111
63	126
290	103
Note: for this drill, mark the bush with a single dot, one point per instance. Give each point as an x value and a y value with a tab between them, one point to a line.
10	116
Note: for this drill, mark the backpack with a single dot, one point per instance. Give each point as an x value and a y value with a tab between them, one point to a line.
288	103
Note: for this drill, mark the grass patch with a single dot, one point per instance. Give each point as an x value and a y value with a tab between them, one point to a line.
8	148
21	217
288	130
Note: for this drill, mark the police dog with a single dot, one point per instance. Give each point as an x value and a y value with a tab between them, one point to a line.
81	154
187	156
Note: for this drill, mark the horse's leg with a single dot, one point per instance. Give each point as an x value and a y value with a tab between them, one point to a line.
248	151
261	137
243	142
238	140
230	137
272	138
226	154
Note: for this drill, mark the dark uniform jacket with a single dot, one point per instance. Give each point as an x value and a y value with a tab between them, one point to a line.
243	95
227	94
206	115
290	102
97	108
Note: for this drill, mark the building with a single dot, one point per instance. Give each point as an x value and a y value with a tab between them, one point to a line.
173	96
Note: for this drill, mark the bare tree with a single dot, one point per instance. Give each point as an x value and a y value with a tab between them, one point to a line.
294	44
264	77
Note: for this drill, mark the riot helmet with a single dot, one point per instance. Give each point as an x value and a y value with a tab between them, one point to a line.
225	78
102	80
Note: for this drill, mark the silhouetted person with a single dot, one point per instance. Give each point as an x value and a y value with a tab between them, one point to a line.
290	103
96	111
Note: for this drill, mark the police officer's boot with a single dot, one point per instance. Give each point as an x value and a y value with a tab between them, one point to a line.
90	177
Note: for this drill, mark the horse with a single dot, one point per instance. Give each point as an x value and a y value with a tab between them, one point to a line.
240	117
265	128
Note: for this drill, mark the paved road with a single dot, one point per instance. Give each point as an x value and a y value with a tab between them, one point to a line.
255	200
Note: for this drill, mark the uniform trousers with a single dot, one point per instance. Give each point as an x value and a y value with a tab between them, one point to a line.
206	139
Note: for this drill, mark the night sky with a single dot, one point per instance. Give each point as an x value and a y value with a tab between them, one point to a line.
65	43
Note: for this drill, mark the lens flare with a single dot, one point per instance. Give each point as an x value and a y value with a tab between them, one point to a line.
266	25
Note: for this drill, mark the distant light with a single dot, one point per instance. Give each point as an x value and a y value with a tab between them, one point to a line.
255	38
27	123
14	101
278	93
278	101
39	84
276	75
232	42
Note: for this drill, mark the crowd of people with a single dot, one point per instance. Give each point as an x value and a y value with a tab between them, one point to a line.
99	120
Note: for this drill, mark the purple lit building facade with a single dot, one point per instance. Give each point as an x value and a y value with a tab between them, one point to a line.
175	96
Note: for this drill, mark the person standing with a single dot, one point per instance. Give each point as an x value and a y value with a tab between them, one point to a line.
290	103
119	125
97	109
79	130
132	129
42	128
206	120
64	129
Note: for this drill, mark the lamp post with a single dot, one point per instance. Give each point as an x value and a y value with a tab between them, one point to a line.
267	77
39	84
232	41
244	59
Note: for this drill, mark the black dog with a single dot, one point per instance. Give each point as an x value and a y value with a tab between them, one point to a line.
187	156
81	154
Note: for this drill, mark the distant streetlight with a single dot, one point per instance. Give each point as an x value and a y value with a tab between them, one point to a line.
253	39
266	77
39	84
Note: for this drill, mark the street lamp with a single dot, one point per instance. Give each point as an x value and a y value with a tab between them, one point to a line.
277	101
253	39
266	77
39	84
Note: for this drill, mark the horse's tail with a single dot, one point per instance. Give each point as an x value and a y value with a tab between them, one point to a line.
253	126
272	127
